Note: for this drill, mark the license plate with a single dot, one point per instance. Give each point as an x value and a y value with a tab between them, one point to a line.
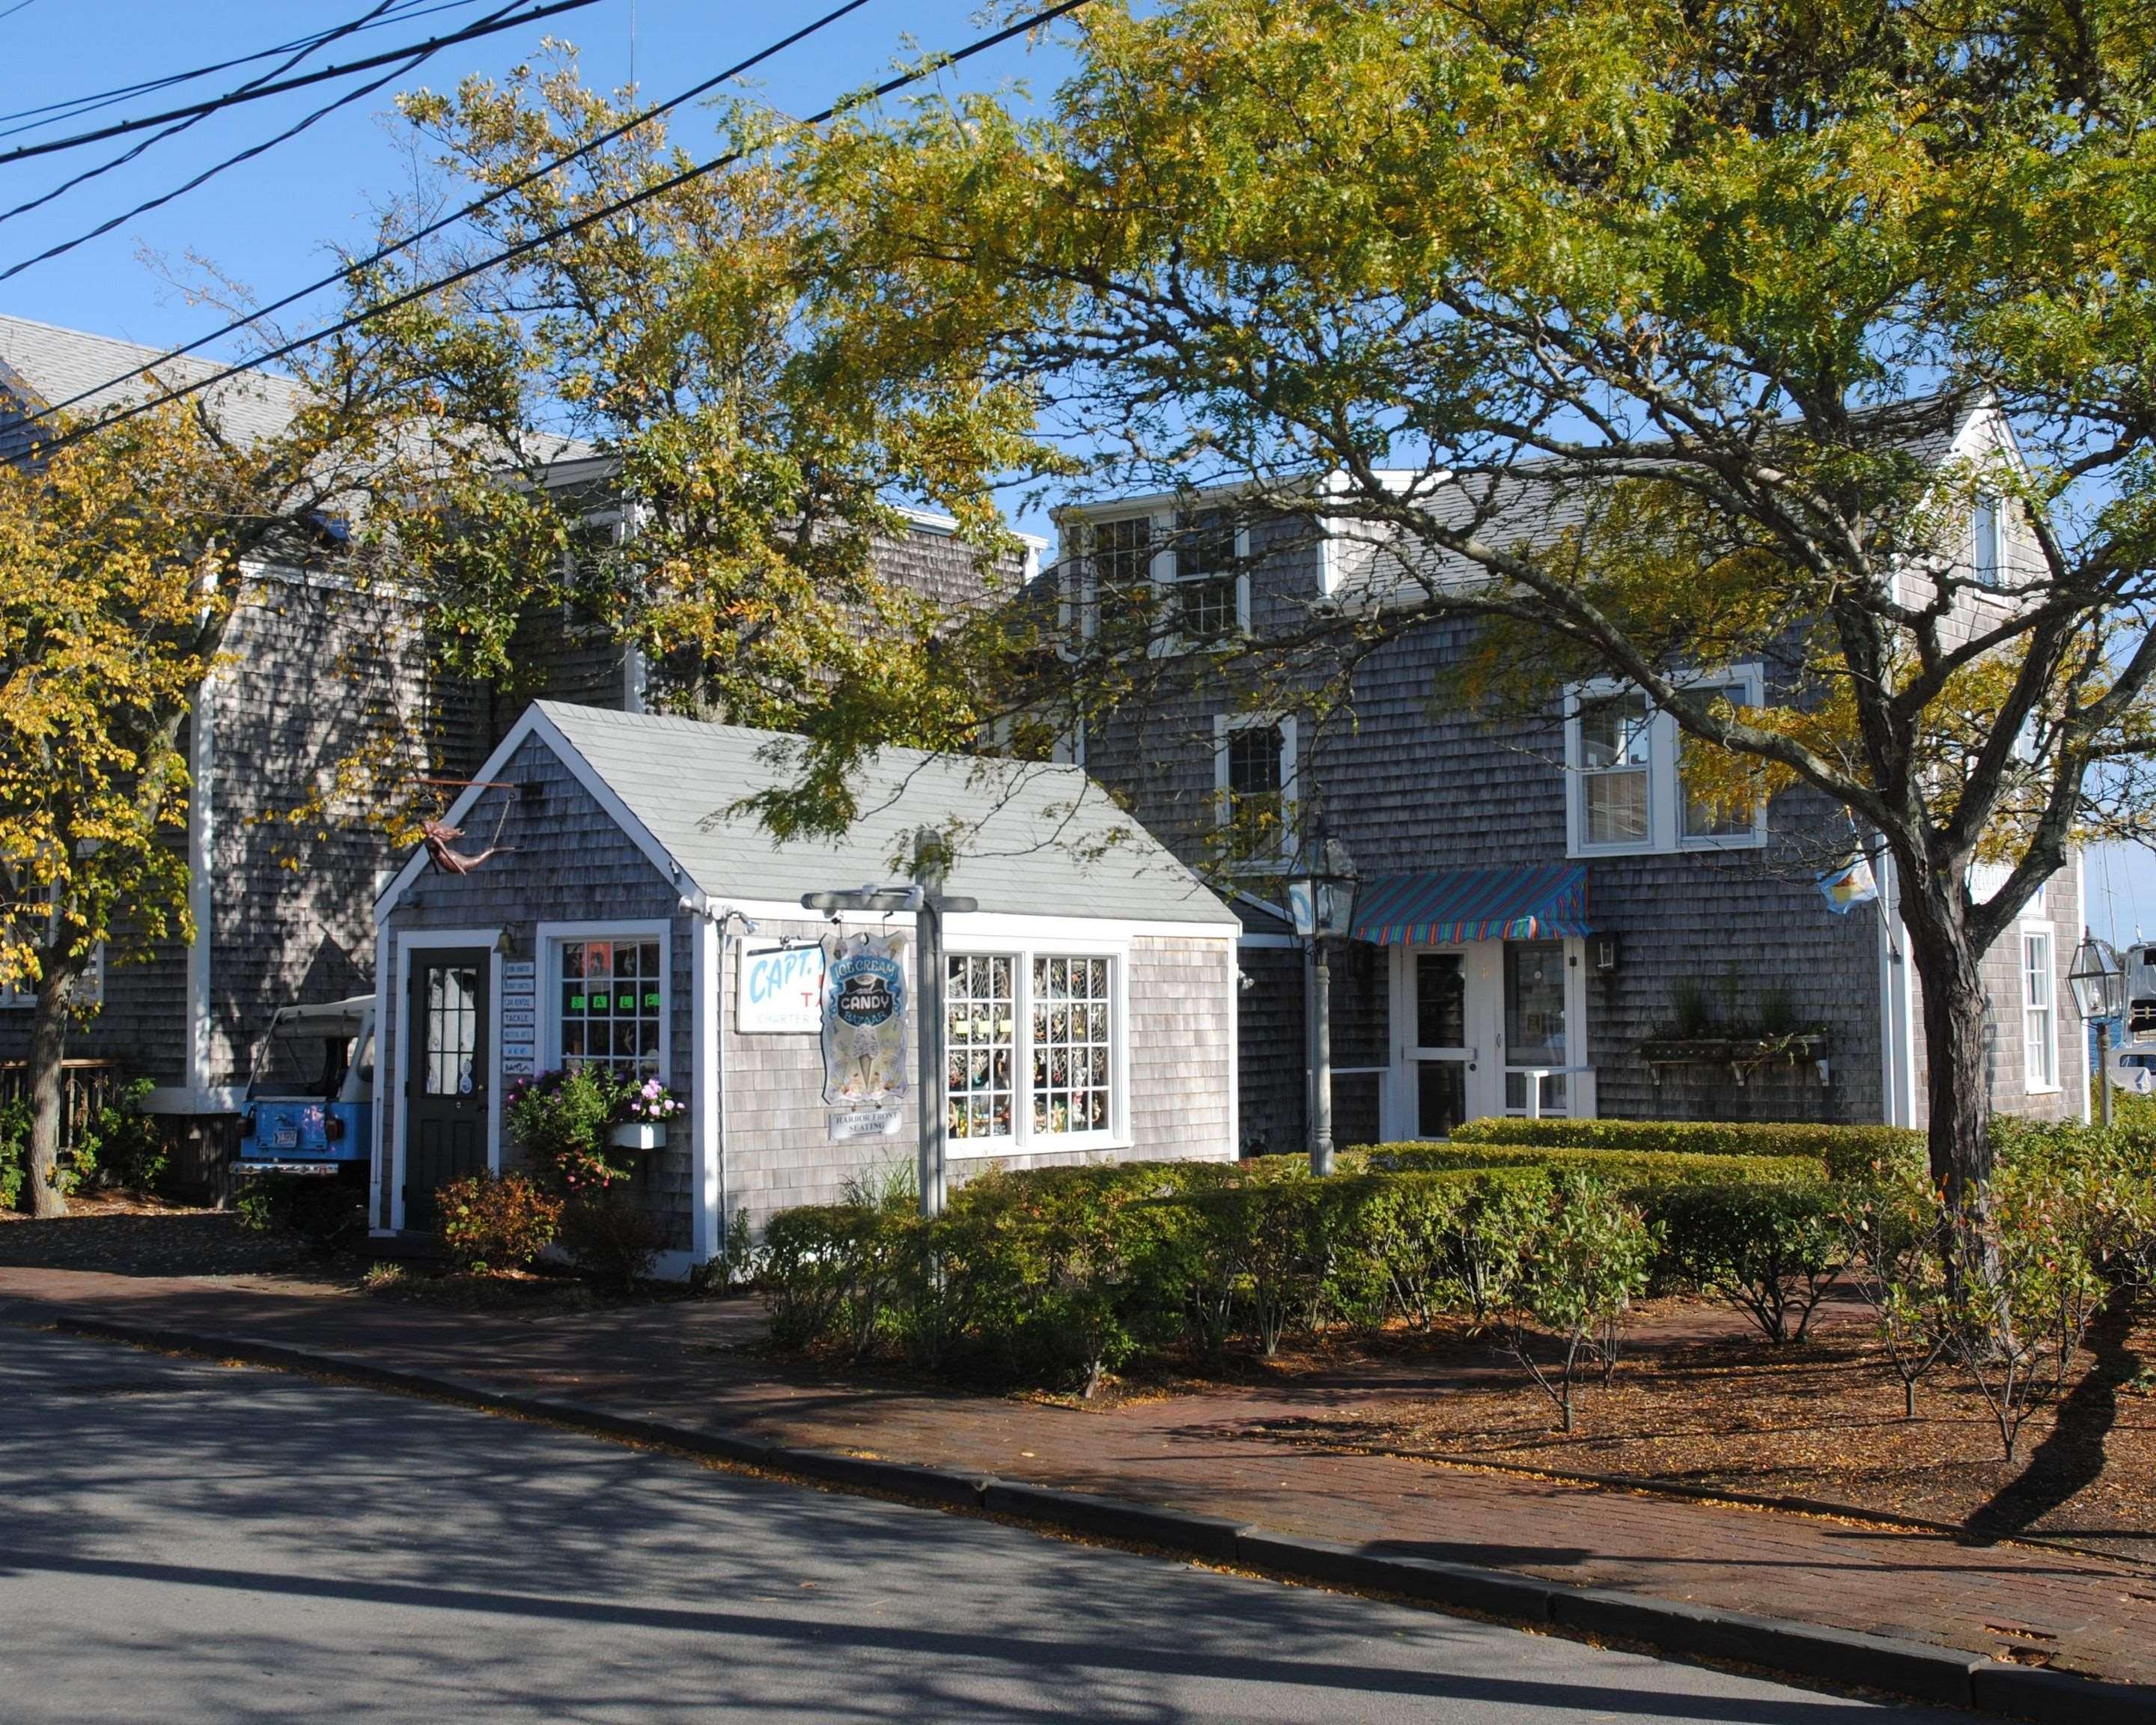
287	1138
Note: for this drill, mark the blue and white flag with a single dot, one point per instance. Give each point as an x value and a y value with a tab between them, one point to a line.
1849	885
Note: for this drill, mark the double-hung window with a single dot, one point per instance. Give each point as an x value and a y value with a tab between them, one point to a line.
1636	782
2039	1018
1208	596
1033	1050
1254	774
608	992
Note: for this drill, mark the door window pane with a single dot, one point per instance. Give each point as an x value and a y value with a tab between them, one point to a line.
980	1008
1613	732
1440	1000
608	992
451	1029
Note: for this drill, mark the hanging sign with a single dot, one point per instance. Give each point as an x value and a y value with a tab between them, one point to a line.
864	1041
781	990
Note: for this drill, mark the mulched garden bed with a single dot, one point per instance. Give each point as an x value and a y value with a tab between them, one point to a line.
1820	1420
132	1234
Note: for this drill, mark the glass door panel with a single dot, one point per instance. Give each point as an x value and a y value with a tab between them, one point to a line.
1535	1024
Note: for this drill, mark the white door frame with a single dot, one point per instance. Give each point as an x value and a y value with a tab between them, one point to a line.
1484	969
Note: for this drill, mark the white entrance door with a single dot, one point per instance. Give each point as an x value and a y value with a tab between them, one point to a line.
1486	1027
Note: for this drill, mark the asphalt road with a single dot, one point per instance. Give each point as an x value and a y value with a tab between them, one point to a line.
183	1542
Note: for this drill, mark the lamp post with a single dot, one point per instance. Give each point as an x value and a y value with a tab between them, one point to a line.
1320	902
2099	986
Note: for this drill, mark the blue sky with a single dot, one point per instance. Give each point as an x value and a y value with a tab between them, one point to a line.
272	224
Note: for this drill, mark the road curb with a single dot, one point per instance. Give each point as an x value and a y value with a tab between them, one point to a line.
1917	1669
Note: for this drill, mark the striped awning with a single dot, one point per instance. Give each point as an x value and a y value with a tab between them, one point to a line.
1437	906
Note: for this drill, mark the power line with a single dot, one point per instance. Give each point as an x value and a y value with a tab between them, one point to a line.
612	207
76	105
19	5
480	203
360	94
179	127
434	44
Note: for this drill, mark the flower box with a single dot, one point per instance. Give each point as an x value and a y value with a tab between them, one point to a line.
636	1135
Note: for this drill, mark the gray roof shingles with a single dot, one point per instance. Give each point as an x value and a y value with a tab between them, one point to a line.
1036	839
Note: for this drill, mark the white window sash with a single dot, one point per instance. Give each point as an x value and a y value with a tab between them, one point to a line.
2040	1013
1664	768
550	937
1023	1138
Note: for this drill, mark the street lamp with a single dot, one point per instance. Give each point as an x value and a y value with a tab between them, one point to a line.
1320	902
2099	986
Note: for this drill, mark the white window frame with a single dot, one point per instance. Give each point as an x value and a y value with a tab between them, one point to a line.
1023	1140
1080	592
1225	727
2046	1081
551	937
1666	831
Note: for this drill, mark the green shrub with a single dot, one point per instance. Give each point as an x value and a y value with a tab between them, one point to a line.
1583	1255
1771	1250
1893	1229
14	1150
825	1271
323	1211
1848	1151
1629	1167
563	1119
495	1222
123	1143
611	1245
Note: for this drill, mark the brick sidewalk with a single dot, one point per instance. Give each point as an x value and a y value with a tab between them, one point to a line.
684	1363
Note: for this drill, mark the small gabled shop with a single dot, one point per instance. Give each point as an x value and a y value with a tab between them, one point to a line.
625	917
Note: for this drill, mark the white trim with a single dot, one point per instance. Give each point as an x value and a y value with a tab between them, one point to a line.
547	936
1233	1148
708	956
1664	767
386	1066
2087	1060
410	940
202	875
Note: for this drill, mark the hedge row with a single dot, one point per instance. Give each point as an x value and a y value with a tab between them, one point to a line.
1057	1274
1628	1167
1846	1152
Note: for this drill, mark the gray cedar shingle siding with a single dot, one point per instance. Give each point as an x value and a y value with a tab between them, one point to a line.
1412	785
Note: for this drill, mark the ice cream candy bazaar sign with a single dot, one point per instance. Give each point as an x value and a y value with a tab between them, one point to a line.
865	1008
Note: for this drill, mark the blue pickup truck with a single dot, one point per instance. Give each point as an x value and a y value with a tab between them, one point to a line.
310	1106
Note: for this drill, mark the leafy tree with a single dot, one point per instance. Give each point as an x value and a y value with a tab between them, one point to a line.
1635	336
740	468
123	552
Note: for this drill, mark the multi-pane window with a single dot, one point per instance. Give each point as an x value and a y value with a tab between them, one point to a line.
2040	1032
451	1029
981	1045
1253	781
1122	567
1058	1078
609	995
1071	1046
1707	816
1206	583
1614	732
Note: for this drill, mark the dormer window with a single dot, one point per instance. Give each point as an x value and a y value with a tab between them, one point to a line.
1208	590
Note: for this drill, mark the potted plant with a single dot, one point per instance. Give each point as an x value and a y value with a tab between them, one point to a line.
641	1111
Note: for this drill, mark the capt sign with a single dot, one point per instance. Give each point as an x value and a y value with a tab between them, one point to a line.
781	990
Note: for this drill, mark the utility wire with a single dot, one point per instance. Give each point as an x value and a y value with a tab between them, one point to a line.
19	5
178	126
480	203
419	57
74	106
434	44
1047	14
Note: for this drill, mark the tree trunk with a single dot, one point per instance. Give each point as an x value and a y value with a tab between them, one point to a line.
49	1028
1957	1086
